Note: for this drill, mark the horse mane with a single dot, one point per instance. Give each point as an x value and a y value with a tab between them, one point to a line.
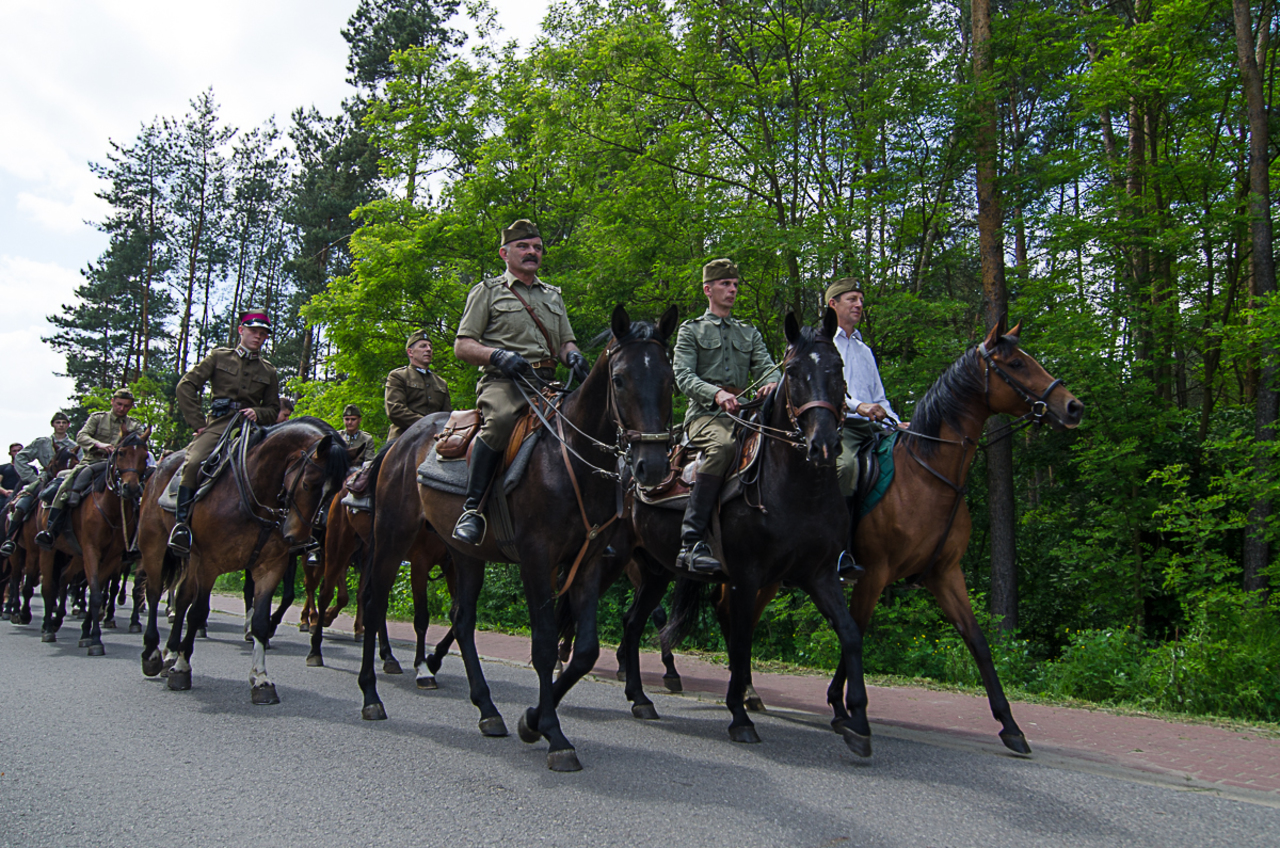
944	403
63	456
336	464
640	331
132	440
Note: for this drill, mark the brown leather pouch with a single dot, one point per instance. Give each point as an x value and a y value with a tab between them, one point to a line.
461	428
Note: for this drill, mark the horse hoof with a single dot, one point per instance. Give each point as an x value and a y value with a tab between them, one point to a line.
527	733
428	682
26	618
179	681
744	733
644	711
171	615
109	624
84	643
135	628
673	683
97	650
392	666
358	635
1016	742
48	636
374	712
564	760
754	705
493	726
304	627
151	666
265	695
248	637
201	633
620	674
315	661
16	618
856	742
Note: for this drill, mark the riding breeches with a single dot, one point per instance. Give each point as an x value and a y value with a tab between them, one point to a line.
713	436
200	448
855	433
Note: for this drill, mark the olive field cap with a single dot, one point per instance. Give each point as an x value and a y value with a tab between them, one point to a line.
255	318
719	269
842	286
59	416
521	229
351	410
122	394
417	336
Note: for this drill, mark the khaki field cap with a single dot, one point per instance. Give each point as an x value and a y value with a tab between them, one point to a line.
521	229
719	269
351	410
840	287
123	394
415	337
59	416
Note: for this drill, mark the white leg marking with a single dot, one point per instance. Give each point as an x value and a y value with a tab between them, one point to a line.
258	676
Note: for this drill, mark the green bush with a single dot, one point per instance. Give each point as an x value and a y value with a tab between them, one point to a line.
1097	665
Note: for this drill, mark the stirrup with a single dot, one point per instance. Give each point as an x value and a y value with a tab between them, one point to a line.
45	540
463	519
847	568
699	559
8	548
180	540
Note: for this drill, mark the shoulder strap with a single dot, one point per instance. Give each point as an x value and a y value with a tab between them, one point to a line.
545	335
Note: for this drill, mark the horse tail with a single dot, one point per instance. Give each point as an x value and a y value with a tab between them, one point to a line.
172	570
687	601
336	465
565	624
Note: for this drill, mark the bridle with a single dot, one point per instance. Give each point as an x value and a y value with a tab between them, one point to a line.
795	436
1039	404
274	517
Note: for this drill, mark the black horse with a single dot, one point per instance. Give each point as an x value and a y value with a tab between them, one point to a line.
791	524
564	510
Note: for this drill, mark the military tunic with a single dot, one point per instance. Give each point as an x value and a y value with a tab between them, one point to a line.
99	428
496	318
714	353
42	450
234	373
362	440
412	394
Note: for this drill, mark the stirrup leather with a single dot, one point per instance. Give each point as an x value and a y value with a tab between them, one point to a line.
484	526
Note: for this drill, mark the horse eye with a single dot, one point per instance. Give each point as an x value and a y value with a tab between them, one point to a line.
1015	363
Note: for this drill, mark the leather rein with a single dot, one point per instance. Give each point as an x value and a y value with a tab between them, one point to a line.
249	502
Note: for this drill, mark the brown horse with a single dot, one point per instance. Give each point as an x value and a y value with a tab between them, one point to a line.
346	538
103	524
921	528
291	465
24	564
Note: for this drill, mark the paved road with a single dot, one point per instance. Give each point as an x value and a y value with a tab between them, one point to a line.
92	753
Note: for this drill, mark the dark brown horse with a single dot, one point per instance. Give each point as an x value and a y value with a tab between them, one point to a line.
24	565
103	525
921	528
622	410
346	538
790	524
291	467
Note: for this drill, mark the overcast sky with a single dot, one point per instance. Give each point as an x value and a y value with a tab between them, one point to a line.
80	72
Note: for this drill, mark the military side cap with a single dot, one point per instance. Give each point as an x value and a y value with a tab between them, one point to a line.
351	409
122	394
417	336
719	269
255	318
840	287
521	229
59	416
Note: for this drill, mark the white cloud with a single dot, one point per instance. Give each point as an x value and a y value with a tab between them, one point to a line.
29	291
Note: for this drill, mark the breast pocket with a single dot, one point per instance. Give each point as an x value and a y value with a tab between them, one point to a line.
710	355
505	319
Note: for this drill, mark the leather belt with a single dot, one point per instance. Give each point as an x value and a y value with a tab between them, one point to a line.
546	363
733	390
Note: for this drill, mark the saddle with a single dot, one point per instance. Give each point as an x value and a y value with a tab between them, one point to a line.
357	485
673	492
454	440
875	472
212	468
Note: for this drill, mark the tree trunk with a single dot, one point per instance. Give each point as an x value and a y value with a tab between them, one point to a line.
995	297
1257	551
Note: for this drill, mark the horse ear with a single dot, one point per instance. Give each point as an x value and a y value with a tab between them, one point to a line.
1016	332
146	434
792	327
993	337
322	446
829	323
667	323
620	323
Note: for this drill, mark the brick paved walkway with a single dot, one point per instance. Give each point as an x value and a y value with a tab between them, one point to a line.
1239	763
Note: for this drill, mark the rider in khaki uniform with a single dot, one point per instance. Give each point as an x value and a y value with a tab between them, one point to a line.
42	451
716	357
354	436
244	387
499	332
97	438
415	391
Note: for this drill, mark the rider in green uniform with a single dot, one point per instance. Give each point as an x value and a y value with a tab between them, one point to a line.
41	451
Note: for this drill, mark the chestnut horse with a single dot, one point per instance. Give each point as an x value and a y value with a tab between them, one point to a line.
24	564
564	510
291	466
103	522
920	530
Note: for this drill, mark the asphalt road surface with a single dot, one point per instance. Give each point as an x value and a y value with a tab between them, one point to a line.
92	753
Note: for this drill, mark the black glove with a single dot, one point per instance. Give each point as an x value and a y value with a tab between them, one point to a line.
510	364
579	365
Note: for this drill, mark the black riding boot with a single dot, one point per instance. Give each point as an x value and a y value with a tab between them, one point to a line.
484	464
10	545
180	535
52	527
695	554
847	567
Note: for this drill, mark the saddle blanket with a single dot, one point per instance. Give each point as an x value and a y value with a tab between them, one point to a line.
168	500
884	455
450	475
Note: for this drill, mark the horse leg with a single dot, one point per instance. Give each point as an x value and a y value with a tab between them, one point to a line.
542	721
419	572
262	690
740	604
647	598
94	630
850	717
586	644
152	659
28	589
390	665
470	582
139	588
442	650
51	567
122	584
250	591
947	586
180	644
109	615
287	594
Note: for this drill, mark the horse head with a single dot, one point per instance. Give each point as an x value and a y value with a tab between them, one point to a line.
128	469
812	386
1018	385
64	459
640	384
316	464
